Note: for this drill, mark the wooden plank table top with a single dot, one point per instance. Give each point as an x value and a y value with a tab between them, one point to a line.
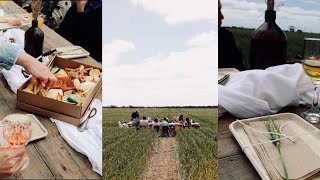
233	163
51	157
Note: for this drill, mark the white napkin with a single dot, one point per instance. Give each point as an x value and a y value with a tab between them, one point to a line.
2	12
14	76
260	92
88	142
17	35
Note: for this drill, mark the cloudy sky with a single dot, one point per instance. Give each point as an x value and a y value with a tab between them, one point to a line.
160	52
302	14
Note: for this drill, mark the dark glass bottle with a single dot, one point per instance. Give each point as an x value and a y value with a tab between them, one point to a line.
33	40
268	44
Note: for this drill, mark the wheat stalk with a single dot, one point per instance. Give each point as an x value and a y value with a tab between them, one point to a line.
275	137
36	6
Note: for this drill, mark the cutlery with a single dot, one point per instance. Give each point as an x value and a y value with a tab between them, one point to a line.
83	125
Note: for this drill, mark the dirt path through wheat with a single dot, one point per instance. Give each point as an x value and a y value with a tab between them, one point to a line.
163	165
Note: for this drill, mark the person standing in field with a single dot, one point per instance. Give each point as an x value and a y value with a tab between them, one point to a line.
229	55
135	115
135	119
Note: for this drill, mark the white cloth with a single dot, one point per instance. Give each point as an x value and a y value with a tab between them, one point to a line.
15	77
260	92
88	142
17	35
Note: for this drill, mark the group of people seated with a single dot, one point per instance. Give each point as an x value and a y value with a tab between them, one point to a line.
155	124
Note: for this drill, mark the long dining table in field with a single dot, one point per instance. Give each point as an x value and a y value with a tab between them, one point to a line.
50	157
233	163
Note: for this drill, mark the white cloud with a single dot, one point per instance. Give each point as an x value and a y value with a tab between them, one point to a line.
203	39
181	11
243	13
186	77
313	2
113	50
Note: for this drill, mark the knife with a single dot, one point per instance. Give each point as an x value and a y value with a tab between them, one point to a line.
26	74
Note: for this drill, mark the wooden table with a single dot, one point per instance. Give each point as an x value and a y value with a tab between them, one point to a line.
50	157
233	163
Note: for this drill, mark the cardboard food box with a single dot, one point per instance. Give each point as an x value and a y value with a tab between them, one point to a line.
47	107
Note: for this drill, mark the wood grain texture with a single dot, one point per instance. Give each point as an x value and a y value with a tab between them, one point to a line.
50	157
233	163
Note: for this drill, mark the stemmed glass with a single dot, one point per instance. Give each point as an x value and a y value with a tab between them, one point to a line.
17	132
311	65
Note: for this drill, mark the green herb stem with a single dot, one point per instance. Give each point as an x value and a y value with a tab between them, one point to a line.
283	164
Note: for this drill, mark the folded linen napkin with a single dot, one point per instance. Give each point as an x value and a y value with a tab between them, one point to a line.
88	142
259	92
301	161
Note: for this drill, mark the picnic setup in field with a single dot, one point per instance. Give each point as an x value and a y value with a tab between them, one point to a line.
51	110
168	128
269	119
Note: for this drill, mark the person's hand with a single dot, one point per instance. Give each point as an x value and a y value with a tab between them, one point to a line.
80	5
11	161
37	69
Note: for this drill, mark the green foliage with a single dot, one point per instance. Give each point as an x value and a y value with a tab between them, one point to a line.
125	151
197	148
295	43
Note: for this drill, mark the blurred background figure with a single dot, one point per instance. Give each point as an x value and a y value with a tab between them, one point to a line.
180	118
135	115
125	125
144	122
229	56
156	125
53	11
165	122
188	123
82	26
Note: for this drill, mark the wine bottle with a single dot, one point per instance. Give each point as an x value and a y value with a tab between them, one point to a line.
33	43
268	43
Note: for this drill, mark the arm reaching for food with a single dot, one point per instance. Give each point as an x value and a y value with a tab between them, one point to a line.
10	55
36	68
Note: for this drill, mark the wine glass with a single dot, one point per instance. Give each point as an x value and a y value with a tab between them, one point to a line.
17	132
311	65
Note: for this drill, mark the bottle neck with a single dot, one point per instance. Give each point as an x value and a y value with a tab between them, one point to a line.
270	16
34	23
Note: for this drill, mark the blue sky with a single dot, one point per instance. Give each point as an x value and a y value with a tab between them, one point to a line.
302	14
160	52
